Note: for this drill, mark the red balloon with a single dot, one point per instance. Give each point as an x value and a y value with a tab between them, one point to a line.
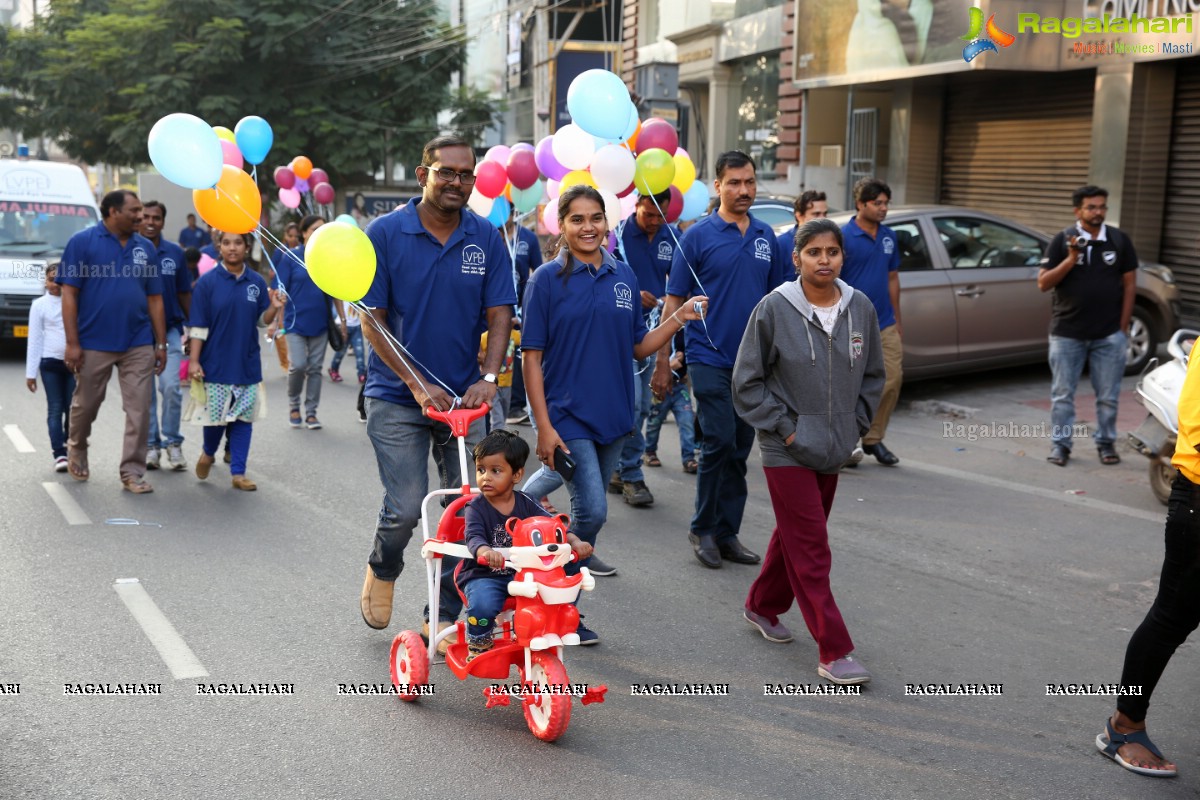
522	169
323	194
657	133
490	179
285	178
675	204
628	189
318	176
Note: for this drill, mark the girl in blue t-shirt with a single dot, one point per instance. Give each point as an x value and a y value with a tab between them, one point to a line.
581	326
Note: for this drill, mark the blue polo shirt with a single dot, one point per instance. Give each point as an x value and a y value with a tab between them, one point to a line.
649	258
176	280
230	307
528	257
436	296
113	283
787	243
307	310
210	250
867	264
194	237
586	328
735	271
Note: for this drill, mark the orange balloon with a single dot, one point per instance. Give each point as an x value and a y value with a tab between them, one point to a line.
302	166
233	205
508	192
631	142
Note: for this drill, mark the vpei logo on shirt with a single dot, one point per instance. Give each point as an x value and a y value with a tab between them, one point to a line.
889	245
252	293
762	249
168	266
624	296
473	260
522	248
665	251
140	257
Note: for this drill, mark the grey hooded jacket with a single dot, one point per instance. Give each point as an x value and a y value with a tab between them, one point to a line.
792	377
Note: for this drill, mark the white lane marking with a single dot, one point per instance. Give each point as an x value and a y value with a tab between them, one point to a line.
18	439
71	510
158	629
1050	494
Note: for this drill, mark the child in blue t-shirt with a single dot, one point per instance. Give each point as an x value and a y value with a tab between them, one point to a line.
499	466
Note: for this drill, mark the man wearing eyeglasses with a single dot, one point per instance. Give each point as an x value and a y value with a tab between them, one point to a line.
1091	267
443	272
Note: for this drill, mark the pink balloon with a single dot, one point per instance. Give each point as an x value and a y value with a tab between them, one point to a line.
547	163
289	197
323	194
553	189
679	151
207	262
490	178
550	219
657	133
674	205
231	154
285	178
628	204
522	169
499	154
318	176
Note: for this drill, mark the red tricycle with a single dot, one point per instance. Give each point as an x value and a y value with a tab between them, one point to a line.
538	621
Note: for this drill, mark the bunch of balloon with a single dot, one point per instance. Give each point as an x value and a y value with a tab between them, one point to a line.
507	178
209	161
303	186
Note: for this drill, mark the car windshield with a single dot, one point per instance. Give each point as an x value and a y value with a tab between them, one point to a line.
28	227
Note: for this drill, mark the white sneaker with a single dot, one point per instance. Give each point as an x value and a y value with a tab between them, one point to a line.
857	456
60	464
175	457
152	458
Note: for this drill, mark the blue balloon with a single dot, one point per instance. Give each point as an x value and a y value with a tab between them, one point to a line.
254	138
598	101
187	151
500	212
346	218
631	126
695	201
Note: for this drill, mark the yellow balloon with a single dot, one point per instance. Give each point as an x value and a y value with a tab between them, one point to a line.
225	133
578	176
340	260
685	173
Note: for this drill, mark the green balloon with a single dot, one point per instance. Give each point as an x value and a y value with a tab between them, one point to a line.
655	171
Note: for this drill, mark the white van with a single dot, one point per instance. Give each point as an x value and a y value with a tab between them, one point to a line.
42	205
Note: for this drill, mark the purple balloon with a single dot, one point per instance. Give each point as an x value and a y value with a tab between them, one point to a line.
612	242
547	163
522	146
301	185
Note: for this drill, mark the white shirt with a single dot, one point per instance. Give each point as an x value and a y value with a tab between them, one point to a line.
47	337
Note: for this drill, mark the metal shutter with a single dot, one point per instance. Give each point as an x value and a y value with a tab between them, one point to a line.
1180	239
1018	144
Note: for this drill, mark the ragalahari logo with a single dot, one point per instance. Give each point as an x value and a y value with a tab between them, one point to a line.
978	44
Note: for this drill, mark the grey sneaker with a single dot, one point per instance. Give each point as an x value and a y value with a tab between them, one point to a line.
175	458
598	567
637	494
845	671
771	631
152	458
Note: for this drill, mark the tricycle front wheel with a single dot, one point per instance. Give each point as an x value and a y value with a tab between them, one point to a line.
547	712
409	664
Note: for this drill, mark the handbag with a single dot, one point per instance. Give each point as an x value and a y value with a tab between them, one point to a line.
336	340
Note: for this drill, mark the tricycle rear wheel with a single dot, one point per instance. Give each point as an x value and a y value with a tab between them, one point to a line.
409	664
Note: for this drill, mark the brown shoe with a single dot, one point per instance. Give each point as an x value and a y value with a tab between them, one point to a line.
377	601
244	483
444	644
203	465
137	485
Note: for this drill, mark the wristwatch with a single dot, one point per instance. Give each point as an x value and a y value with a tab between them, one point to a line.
160	346
490	378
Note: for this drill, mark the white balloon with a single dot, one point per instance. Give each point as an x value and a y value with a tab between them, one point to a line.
612	208
572	147
613	168
479	204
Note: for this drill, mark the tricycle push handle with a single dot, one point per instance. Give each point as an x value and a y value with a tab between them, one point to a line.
459	419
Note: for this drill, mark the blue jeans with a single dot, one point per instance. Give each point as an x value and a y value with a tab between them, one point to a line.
354	339
631	454
59	384
485	599
724	447
237	441
678	402
1105	359
588	488
543	481
172	397
403	437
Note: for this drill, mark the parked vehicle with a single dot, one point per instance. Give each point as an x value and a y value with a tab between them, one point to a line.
42	205
969	299
1159	390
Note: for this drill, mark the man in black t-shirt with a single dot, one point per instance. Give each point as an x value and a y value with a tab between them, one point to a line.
1090	266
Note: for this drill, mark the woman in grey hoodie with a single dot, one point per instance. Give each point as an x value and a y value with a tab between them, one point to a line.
807	378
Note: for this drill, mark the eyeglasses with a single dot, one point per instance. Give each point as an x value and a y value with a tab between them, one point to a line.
448	175
1095	208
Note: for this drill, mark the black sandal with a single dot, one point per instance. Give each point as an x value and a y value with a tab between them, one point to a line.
1108	454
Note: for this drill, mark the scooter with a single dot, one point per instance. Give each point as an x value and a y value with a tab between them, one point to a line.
1158	389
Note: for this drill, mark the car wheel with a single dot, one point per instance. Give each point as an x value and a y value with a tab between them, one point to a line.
1143	344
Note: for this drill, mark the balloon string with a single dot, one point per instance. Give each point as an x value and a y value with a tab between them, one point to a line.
679	249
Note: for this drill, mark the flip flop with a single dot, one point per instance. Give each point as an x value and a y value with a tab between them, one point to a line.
652	460
1109	743
137	486
691	467
1108	454
77	471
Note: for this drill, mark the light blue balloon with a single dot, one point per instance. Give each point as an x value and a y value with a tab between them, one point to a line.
500	212
695	201
598	102
254	138
346	218
632	125
187	151
526	200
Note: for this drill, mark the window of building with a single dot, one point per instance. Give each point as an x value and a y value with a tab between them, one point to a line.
756	110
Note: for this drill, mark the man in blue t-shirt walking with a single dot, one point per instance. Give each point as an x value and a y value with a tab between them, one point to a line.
734	259
442	272
113	317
